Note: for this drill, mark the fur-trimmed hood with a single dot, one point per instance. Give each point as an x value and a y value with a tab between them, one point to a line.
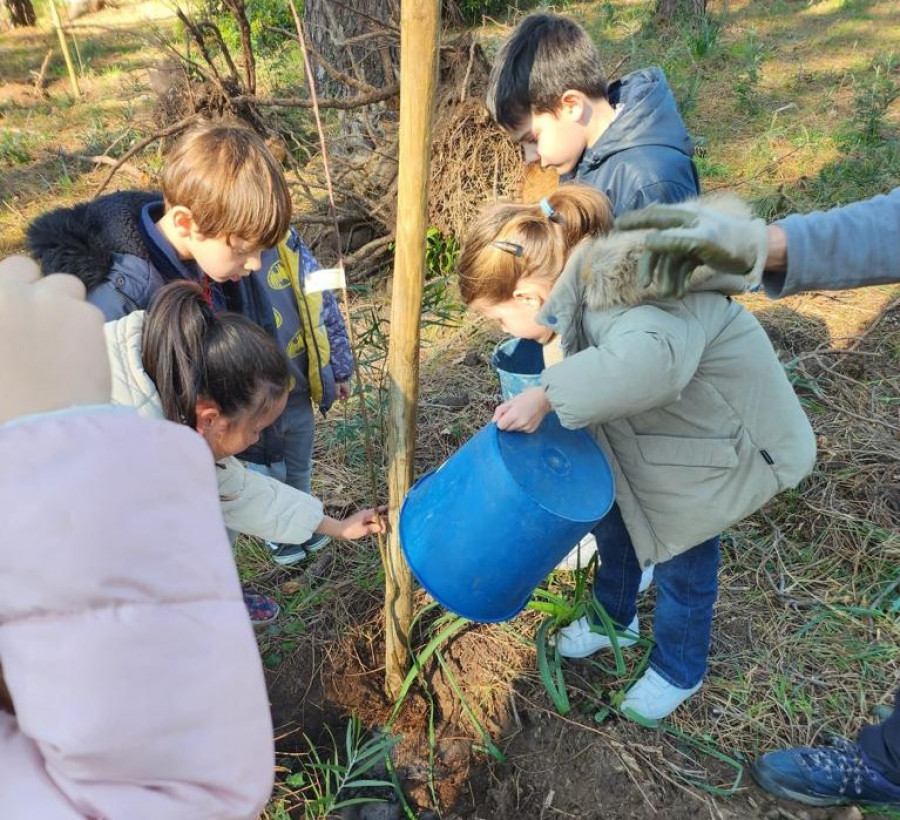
83	239
602	272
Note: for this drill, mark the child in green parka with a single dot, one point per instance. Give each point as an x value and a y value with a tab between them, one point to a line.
686	397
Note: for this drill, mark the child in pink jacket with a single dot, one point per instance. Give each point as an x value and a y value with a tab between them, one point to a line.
124	641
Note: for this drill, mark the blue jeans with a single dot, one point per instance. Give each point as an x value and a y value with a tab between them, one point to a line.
298	426
686	588
881	744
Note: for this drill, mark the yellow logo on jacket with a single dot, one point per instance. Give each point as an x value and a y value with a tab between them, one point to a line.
278	319
296	344
277	277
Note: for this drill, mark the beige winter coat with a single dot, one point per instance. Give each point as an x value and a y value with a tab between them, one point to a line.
251	503
687	397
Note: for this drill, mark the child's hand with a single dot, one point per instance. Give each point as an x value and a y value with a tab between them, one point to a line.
363	523
524	412
358	525
343	390
52	351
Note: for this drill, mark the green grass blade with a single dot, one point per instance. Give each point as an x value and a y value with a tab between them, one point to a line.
551	674
418	661
479	727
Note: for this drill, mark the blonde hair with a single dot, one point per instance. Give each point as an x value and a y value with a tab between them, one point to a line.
232	185
510	241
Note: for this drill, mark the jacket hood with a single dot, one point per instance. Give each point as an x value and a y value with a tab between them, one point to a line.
131	386
602	272
83	239
648	116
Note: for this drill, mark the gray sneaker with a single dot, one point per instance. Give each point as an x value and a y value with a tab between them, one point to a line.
287	554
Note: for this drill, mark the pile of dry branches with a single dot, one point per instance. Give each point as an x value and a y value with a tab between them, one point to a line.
356	69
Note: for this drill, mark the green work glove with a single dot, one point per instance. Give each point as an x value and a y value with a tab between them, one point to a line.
688	235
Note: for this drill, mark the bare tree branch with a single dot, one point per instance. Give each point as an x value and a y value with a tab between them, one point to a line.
297	102
197	37
102	159
205	25
329	69
140	146
239	11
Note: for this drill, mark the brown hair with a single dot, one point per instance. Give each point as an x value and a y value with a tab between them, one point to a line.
510	241
231	183
190	352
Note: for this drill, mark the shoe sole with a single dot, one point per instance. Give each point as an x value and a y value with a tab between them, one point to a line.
323	543
623	643
267	621
296	558
637	717
780	790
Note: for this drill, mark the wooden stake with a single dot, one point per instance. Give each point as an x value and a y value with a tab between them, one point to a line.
39	80
419	43
73	79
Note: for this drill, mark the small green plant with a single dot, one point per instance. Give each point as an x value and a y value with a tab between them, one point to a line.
876	90
265	18
472	11
709	168
441	252
703	37
323	782
806	387
750	54
15	147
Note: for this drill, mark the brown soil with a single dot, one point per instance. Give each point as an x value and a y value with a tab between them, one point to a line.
554	766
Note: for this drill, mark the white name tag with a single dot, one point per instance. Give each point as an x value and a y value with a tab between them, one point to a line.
325	279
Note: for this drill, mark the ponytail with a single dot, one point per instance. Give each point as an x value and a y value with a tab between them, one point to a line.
581	211
190	353
508	242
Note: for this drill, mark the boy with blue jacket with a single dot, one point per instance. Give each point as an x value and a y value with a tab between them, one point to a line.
547	89
223	220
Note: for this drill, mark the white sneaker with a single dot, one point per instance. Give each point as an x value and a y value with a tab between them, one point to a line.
646	579
580	554
578	640
654	698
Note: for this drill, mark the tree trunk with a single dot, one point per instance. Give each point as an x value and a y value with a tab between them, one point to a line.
354	38
21	12
670	10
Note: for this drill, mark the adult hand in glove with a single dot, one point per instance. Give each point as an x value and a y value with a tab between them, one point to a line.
688	235
52	351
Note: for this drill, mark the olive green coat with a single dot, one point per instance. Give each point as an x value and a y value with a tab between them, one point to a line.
686	397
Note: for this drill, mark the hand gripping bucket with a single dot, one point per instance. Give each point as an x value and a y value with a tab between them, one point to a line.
485	528
518	363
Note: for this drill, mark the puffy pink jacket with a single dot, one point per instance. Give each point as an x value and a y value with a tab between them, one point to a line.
123	636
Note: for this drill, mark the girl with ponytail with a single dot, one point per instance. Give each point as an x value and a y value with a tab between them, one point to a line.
222	375
685	396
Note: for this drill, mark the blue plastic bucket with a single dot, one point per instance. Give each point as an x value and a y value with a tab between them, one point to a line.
485	528
518	363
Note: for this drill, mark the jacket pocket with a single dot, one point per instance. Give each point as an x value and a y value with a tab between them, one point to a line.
678	451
